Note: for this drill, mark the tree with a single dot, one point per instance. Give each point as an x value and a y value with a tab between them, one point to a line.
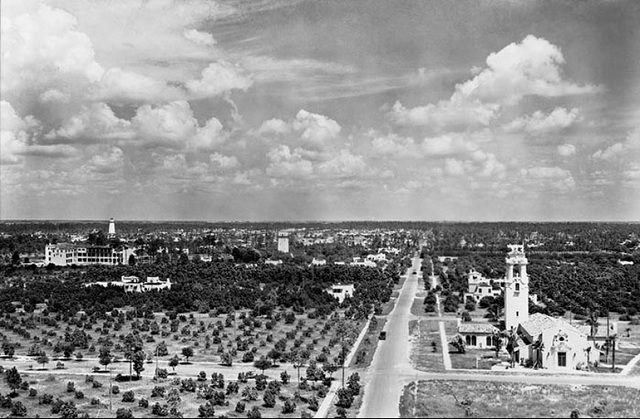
206	410
42	359
105	357
285	377
138	362
13	379
173	362
18	409
458	343
9	349
269	398
262	363
254	413
354	383
15	258
124	413
162	349
226	359
345	398
187	351
132	260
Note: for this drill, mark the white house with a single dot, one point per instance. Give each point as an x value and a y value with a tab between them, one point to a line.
341	291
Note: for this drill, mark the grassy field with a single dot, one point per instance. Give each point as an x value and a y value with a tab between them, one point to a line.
422	333
369	344
491	399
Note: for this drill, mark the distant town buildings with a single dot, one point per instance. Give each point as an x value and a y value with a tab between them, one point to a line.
134	284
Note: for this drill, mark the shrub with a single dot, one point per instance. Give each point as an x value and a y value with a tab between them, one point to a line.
79	395
313	404
71	387
124	413
94	401
128	397
160	410
345	398
46	398
115	390
289	407
240	407
144	403
206	410
96	384
254	413
18	409
158	391
33	392
269	398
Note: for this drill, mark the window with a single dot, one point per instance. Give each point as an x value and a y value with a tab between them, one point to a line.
488	340
517	313
473	340
468	339
517	287
562	359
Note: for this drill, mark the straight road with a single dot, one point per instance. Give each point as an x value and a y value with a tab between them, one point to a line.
391	363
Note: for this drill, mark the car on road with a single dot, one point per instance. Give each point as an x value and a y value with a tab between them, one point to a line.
383	335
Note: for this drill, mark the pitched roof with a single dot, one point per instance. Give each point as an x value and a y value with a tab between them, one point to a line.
539	322
477	328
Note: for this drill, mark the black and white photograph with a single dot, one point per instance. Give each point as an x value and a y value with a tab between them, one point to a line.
319	208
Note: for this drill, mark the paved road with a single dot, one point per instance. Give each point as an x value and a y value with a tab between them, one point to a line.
386	376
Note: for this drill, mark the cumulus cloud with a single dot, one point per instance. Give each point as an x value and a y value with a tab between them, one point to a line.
199	37
274	126
530	67
93	123
394	146
107	162
15	133
120	85
65	52
316	129
566	150
447	145
447	114
538	123
217	78
549	176
344	165
224	162
285	164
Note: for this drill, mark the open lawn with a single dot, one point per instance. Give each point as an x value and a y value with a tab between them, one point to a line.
491	399
422	334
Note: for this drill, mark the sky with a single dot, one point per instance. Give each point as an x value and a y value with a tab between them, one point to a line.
320	110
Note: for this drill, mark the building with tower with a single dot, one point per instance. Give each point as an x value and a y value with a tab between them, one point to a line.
112	229
283	242
516	289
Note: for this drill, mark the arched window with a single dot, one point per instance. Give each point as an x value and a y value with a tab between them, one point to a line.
489	341
473	340
468	339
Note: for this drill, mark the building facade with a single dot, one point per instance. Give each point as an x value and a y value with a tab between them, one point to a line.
66	254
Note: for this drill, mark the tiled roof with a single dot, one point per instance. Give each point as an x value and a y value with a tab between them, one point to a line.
539	322
477	328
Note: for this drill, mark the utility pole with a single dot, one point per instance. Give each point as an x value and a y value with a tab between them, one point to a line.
156	374
110	388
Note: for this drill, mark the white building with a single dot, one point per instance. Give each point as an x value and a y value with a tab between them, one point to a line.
341	291
65	254
283	242
134	284
318	261
112	228
553	344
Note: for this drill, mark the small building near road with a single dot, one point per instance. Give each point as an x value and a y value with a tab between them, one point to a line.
341	292
479	335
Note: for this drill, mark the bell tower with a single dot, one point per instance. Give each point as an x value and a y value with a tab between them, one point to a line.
516	289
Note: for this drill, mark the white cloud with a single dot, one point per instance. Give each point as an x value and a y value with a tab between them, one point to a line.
447	145
316	129
199	37
566	150
108	162
15	133
122	86
612	152
43	47
548	176
531	67
394	146
224	162
538	123
285	164
219	77
93	123
344	164
209	137
274	126
445	115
